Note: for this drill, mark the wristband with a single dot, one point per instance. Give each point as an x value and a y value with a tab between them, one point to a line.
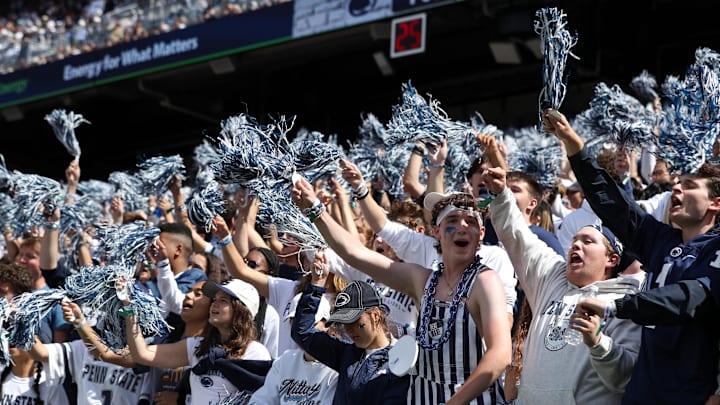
79	324
360	192
52	225
315	211
163	263
181	207
436	165
209	248
225	241
169	210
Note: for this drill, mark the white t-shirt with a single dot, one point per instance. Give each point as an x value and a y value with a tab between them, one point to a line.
98	382
21	390
293	380
271	331
283	298
212	387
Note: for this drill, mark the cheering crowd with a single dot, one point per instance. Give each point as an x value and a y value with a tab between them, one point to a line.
433	261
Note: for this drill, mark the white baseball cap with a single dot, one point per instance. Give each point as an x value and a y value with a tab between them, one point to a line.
238	289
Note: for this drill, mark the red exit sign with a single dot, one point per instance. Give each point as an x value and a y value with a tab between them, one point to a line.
408	35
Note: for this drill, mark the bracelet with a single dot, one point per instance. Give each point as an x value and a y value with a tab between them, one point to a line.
417	150
181	207
125	311
360	192
314	212
79	324
169	210
313	217
225	241
436	165
52	225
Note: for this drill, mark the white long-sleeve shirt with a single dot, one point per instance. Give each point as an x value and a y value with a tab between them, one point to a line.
553	371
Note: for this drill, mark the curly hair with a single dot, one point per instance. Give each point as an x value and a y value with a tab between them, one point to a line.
518	340
242	333
460	200
409	209
17	276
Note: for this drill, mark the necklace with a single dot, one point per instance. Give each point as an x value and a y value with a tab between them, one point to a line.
425	341
450	291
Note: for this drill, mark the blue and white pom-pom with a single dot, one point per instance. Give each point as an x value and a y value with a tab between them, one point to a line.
314	158
205	205
30	309
125	244
543	164
524	139
556	43
691	121
157	171
63	124
6	177
100	191
617	117
416	120
278	210
33	195
130	189
392	167
251	151
645	85
94	289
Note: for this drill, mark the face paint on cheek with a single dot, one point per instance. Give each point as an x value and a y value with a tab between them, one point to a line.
450	230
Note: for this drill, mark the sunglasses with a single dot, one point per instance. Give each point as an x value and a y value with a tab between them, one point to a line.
251	263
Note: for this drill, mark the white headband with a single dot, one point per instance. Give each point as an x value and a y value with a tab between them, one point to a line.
451	208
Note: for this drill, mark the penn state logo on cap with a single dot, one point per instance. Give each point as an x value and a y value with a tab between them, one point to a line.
342	299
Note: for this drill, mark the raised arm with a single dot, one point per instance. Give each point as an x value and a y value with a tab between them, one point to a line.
181	214
117	209
169	355
342	207
373	213
50	247
235	262
73	315
436	172
404	277
72	176
411	175
172	296
492	151
245	236
608	201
